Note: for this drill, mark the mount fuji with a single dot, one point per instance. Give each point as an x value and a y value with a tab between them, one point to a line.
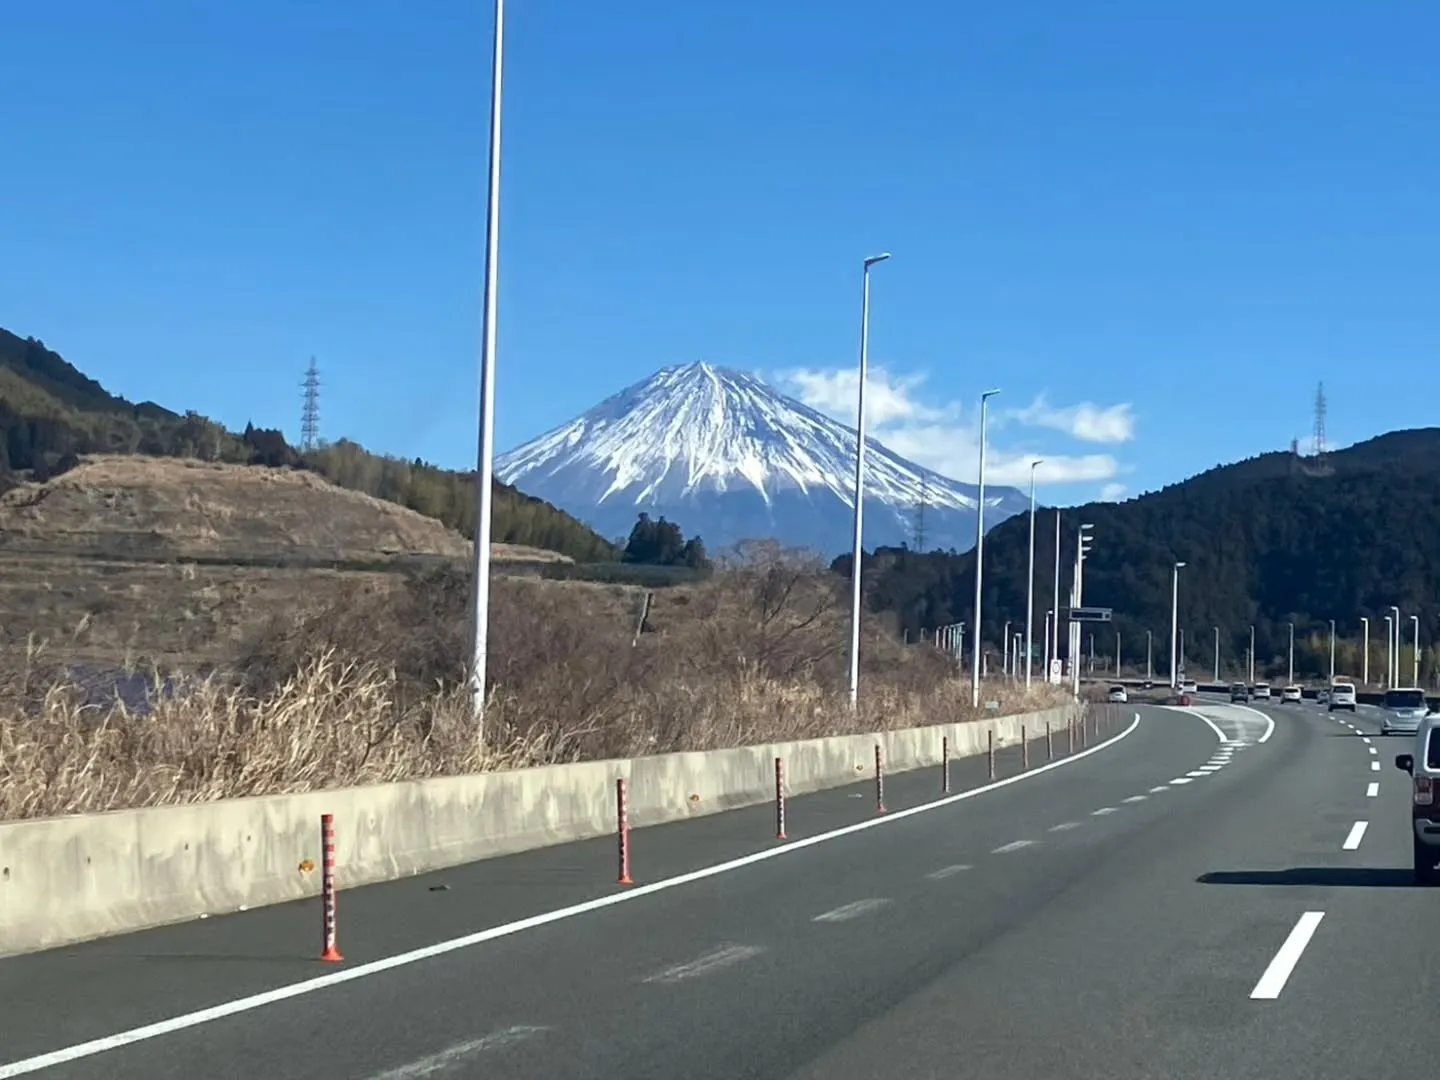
728	458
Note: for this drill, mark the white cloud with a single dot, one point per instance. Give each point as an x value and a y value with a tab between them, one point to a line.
1087	422
946	438
1112	492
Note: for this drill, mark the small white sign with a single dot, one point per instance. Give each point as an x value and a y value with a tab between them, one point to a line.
1056	670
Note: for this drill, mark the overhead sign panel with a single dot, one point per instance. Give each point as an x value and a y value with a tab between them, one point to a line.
1090	614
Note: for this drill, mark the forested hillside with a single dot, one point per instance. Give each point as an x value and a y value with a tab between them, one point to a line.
1269	541
50	412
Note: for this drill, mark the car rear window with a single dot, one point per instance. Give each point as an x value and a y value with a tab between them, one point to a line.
1404	699
1343	688
1432	749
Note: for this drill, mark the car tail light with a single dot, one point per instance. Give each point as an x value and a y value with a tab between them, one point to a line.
1424	791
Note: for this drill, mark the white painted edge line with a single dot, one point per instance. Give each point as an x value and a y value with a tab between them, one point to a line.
722	957
454	1055
1278	973
1014	845
375	967
846	912
1374	767
1269	722
1357	833
1373	789
946	872
1196	712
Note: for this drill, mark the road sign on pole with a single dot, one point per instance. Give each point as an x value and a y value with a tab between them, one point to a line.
1089	614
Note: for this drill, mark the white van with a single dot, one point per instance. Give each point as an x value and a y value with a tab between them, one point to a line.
1342	696
1405	707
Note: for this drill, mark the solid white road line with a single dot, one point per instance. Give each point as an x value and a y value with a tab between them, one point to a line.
1064	826
1357	833
455	1055
1373	789
414	956
946	872
846	912
716	959
1278	973
1014	845
1269	722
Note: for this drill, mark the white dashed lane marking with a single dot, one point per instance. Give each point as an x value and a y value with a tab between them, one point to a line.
946	872
1357	833
854	910
1064	826
1014	845
1373	789
1278	973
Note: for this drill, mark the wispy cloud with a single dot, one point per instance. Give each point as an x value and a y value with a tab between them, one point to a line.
1112	492
946	437
1086	421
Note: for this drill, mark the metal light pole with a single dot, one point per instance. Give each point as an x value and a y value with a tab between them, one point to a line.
1252	654
1055	602
1415	670
1174	621
485	456
1077	599
1332	650
1149	657
858	548
1030	583
979	552
1048	616
1217	654
1389	650
1117	654
1005	659
1365	652
1291	678
1394	646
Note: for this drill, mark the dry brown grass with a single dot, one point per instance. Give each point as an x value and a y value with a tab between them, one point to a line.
368	688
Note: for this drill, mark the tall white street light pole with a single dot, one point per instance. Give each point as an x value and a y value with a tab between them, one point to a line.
1389	650
1365	652
1055	602
1394	646
485	456
1030	583
1290	680
1332	650
1252	654
1174	621
858	548
1415	665
979	554
1077	599
1217	654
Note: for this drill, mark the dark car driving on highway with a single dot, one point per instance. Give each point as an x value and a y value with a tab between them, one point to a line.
1239	692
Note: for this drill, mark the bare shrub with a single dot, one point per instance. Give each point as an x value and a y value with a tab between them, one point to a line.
372	688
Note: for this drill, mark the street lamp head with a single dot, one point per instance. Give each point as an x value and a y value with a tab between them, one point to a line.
873	259
1178	565
988	394
1087	525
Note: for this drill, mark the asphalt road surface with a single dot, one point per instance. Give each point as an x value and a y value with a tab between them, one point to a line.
1215	891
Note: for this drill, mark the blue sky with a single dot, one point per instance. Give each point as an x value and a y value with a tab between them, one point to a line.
1155	226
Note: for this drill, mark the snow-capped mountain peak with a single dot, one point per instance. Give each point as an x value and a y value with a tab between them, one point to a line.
700	434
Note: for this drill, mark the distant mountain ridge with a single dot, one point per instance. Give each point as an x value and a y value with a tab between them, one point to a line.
731	458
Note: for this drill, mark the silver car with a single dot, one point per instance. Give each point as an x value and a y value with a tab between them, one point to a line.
1405	710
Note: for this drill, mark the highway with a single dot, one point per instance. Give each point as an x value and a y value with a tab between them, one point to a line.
1214	891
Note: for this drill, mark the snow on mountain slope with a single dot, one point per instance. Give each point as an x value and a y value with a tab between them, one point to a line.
730	458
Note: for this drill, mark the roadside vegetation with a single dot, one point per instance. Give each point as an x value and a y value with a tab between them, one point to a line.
369	687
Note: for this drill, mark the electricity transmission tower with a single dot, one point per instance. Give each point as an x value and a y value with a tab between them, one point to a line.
310	413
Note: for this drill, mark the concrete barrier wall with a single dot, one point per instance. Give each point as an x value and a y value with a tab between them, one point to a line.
70	879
